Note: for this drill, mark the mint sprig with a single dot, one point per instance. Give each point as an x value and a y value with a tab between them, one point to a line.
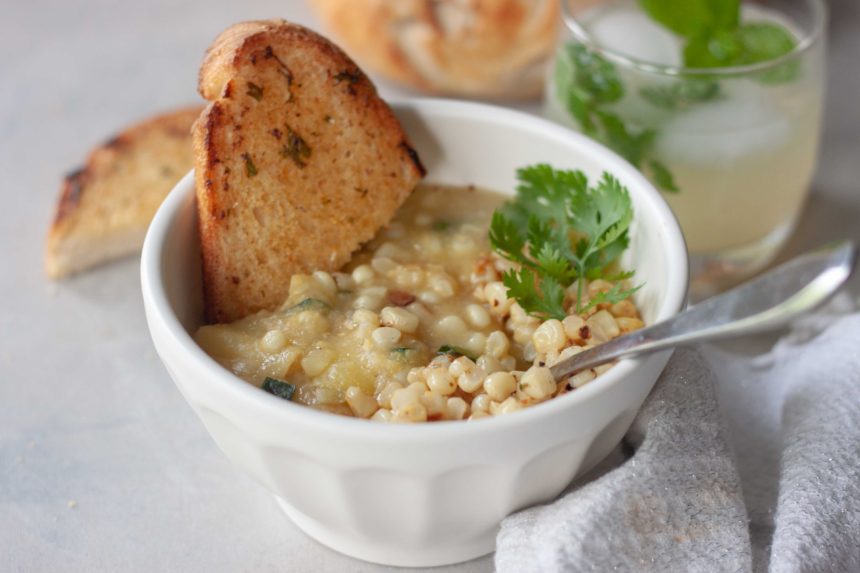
716	38
559	230
587	83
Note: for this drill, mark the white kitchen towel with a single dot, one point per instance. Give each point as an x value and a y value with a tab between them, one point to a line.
769	480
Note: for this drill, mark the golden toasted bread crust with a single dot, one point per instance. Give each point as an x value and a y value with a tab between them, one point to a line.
105	207
298	162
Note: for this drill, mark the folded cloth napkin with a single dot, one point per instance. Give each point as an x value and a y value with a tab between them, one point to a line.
738	464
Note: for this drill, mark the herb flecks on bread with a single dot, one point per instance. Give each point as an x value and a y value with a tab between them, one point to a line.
106	206
298	162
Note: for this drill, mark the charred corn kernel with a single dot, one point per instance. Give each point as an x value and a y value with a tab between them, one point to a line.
326	284
497	344
476	343
316	361
391	250
367	302
282	362
416	375
581	378
442	284
382	415
403	397
598	370
509	406
362	274
624	308
273	341
417	388
500	385
382	265
523	334
456	408
529	353
462	365
549	337
412	412
441	361
626	324
385	337
602	326
439	380
365	317
488	364
481	403
477	316
598	286
521	317
496	295
566	353
451	326
538	382
429	297
361	404
387	391
573	328
343	281
434	403
470	382
399	318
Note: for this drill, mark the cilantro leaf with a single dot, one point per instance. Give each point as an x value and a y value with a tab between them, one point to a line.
616	294
545	301
507	239
559	230
456	351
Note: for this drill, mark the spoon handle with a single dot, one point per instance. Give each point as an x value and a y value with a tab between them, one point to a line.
767	302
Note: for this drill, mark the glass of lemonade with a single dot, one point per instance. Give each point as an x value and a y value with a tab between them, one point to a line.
733	148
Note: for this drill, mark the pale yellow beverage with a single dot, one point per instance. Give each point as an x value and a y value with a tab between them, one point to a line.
741	151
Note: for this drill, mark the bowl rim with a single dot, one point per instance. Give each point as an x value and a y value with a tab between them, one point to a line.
159	308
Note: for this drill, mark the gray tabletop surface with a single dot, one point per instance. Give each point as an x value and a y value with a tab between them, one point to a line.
103	466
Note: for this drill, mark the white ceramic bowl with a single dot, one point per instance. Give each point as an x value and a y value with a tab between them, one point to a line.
425	494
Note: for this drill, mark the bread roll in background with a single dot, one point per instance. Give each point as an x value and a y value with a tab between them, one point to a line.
494	49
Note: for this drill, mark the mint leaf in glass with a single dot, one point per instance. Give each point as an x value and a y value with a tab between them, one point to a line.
681	94
690	18
586	84
662	177
716	38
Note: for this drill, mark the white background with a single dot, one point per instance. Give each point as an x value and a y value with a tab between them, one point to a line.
88	416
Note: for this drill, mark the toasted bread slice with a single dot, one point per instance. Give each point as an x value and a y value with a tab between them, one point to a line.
298	162
106	206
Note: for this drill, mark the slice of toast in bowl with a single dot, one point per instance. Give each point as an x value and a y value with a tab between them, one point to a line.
105	207
298	162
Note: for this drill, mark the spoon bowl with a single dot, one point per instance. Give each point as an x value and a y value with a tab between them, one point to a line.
764	303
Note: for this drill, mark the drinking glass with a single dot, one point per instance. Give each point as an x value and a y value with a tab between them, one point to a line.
733	149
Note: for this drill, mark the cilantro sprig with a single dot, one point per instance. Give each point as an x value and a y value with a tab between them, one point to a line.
715	37
588	84
559	230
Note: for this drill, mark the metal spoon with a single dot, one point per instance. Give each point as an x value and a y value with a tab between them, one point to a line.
764	303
